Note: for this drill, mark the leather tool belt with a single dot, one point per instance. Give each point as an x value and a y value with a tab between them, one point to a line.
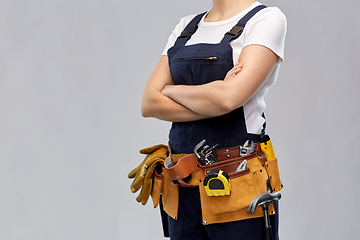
161	174
186	171
179	167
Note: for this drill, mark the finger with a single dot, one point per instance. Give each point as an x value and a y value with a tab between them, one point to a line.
233	71
228	77
232	74
236	68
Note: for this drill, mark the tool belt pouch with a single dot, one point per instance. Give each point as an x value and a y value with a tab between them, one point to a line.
170	196
272	169
158	179
180	168
245	184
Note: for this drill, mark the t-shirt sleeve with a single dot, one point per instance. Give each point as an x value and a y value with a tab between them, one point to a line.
267	29
176	32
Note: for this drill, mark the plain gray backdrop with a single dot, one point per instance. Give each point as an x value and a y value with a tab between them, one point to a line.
72	75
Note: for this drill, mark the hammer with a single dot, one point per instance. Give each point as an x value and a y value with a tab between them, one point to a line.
264	200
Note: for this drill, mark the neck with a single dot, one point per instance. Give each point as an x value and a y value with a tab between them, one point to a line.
225	9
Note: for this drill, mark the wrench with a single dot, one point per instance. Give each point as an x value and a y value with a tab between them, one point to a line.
248	148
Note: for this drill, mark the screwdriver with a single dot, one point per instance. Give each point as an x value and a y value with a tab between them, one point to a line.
267	147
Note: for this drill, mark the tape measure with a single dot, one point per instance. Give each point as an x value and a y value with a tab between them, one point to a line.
217	183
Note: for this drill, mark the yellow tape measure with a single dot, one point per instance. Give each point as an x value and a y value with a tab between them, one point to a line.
217	183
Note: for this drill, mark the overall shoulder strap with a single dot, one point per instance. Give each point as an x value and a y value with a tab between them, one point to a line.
189	30
237	30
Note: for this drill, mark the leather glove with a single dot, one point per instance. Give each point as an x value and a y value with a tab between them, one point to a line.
144	173
147	151
157	188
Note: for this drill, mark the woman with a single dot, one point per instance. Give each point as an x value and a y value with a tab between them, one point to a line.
210	84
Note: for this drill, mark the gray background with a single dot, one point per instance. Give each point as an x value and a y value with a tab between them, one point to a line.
71	80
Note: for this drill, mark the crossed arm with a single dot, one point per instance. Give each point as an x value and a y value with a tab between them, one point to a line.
180	103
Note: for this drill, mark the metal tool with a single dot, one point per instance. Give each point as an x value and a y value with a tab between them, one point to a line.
202	152
247	148
264	200
197	150
210	156
206	155
242	166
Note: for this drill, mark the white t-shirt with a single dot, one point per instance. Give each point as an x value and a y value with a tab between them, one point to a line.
266	28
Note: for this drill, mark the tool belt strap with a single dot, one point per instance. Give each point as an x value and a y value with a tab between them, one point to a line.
180	166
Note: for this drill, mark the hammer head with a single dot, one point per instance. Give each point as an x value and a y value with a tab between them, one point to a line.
262	199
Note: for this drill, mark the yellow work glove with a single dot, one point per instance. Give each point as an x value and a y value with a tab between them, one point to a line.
143	174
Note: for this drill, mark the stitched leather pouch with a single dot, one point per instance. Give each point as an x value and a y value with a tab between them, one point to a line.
245	185
157	187
170	197
274	176
208	207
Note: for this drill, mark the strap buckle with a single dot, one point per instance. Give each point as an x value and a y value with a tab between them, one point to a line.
187	33
236	31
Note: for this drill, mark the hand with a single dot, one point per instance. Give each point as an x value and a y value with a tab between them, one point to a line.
167	90
235	70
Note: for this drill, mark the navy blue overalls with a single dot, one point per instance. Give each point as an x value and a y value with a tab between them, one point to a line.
195	65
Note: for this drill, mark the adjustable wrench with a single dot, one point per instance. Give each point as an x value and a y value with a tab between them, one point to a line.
247	148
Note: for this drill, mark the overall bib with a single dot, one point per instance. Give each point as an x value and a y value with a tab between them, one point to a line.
195	65
200	64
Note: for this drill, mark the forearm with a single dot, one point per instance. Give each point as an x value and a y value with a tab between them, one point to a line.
222	96
156	105
218	97
207	99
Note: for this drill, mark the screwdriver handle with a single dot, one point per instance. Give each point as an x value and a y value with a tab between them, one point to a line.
267	148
